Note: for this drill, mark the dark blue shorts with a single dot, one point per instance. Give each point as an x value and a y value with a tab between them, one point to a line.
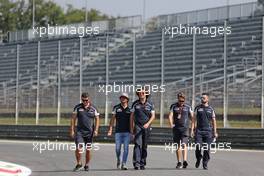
81	140
180	135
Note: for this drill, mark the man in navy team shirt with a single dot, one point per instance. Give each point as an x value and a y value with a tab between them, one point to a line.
142	115
84	114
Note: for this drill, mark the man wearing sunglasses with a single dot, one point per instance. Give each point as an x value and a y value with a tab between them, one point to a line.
179	117
142	115
121	115
205	130
84	115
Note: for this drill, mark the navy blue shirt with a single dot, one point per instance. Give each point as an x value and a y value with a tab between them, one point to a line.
85	125
204	116
122	116
142	112
181	115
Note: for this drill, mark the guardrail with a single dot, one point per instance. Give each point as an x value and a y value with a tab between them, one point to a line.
239	138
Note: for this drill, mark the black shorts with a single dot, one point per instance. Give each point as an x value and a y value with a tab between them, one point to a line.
180	136
81	140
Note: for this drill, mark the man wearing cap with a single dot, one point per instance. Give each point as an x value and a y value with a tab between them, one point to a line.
84	114
142	115
121	115
179	117
205	130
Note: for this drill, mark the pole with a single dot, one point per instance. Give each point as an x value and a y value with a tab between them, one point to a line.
225	77
38	91
81	71
106	79
33	13
193	71
17	84
262	94
59	84
162	80
134	64
86	11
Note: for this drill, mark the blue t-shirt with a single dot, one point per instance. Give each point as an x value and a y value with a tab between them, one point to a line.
142	112
181	115
85	125
204	116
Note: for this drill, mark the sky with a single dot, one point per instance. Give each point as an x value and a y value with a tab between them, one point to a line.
153	7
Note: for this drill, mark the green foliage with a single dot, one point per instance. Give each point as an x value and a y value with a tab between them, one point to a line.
17	15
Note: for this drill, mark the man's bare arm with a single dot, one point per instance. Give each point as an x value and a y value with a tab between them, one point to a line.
97	123
73	124
112	122
132	122
171	119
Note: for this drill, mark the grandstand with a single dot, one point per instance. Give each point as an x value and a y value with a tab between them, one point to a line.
111	55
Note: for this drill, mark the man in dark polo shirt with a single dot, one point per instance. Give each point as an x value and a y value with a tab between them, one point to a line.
121	115
142	115
205	130
179	117
84	114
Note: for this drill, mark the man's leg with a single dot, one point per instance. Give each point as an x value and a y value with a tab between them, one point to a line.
206	154
126	149
137	148
79	141
198	152
118	148
144	154
184	150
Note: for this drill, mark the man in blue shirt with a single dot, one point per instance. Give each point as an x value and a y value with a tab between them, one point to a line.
179	117
121	115
84	114
142	115
205	130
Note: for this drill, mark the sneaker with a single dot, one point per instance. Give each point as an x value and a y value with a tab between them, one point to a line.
185	164
77	167
197	164
179	165
136	168
142	167
86	168
205	167
123	167
118	165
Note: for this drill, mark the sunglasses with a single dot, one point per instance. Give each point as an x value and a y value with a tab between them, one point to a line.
181	101
85	100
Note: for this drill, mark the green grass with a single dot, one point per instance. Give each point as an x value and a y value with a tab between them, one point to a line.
156	123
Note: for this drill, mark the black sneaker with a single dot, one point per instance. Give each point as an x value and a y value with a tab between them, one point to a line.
86	168
179	165
142	167
185	164
118	165
205	167
77	167
136	168
197	164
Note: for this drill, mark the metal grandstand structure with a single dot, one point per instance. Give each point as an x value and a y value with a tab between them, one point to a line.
41	77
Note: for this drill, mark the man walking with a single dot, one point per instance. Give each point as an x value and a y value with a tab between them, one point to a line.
179	117
84	114
121	115
206	130
142	115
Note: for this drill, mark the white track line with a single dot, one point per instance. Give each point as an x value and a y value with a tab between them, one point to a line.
108	144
